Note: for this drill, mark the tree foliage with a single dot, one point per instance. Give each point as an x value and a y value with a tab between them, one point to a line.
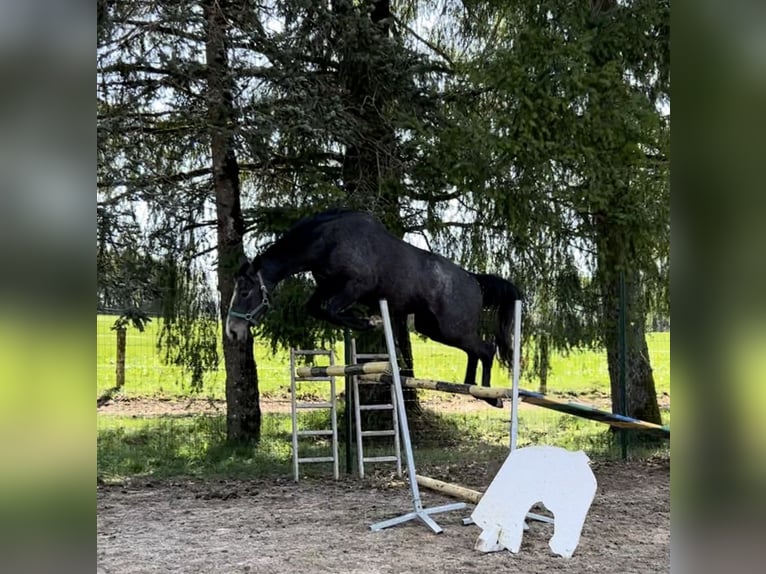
558	143
527	137
188	332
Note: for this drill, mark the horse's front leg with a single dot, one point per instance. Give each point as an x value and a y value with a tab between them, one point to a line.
333	309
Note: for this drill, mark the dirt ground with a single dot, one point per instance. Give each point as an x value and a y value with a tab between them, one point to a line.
323	526
144	406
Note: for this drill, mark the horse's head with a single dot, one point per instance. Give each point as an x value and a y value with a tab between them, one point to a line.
249	301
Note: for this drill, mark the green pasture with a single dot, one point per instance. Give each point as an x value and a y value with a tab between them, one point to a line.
579	373
196	445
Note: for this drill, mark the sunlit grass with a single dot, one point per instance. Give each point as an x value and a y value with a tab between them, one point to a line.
186	446
579	372
196	445
586	371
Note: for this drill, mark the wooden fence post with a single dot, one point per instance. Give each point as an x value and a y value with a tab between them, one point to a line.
120	364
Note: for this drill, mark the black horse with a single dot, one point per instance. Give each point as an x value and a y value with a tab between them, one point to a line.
354	259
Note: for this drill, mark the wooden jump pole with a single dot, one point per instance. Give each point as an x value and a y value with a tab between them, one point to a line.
466	494
453	490
340	370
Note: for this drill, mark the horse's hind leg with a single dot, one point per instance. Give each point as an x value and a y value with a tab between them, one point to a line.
470	369
486	357
486	354
476	349
486	371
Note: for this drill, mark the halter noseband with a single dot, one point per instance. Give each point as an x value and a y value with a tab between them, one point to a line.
265	303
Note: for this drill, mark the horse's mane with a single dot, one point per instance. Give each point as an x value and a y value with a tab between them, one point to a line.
307	224
300	233
321	217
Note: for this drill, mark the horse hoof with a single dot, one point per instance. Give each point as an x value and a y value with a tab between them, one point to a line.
376	321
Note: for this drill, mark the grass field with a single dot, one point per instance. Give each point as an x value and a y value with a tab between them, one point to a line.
579	373
169	446
196	445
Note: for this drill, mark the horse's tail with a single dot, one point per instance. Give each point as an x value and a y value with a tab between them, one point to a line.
501	295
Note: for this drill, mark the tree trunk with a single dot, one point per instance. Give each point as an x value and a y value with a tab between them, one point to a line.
367	167
614	246
543	362
243	413
641	395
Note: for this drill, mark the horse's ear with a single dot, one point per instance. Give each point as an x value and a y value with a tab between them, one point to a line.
244	263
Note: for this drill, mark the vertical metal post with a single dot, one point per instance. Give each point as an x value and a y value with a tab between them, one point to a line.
400	406
516	373
623	360
397	434
515	399
421	513
349	407
334	420
294	414
357	413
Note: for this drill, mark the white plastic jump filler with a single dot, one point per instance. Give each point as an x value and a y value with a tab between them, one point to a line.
560	479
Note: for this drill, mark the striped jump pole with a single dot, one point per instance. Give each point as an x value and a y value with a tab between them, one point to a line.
340	370
531	397
457	388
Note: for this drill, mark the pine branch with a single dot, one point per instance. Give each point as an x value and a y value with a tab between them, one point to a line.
167	30
150	181
428	43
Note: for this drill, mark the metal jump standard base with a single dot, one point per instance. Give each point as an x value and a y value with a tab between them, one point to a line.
419	512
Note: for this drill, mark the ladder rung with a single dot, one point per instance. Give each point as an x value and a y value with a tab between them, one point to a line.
376	407
315	379
317	405
314	433
378	433
317	459
380	459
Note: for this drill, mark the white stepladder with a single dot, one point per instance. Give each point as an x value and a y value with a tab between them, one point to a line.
419	511
358	408
296	406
